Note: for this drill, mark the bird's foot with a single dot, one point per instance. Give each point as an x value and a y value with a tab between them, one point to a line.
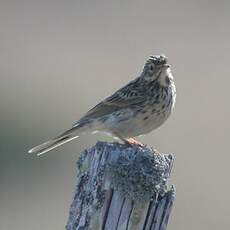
132	141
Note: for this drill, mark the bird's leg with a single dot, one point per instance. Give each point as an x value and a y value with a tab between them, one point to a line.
128	141
132	141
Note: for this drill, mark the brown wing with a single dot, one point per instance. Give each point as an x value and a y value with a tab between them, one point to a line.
123	98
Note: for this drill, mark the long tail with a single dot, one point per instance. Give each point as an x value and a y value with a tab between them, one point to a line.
65	137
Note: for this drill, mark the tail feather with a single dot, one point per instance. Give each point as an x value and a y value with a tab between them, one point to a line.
49	145
65	137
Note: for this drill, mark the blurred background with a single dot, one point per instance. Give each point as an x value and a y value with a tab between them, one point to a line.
60	58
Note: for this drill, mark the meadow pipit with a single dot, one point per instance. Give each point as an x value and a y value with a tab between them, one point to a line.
138	108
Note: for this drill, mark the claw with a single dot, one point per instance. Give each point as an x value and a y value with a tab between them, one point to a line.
132	141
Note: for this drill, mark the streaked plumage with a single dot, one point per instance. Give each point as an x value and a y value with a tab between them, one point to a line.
138	108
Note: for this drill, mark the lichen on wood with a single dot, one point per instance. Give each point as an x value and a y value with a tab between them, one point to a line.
139	174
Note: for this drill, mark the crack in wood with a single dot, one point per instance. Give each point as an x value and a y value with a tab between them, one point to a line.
107	209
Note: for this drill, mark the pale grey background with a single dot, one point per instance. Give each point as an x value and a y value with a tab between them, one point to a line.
59	58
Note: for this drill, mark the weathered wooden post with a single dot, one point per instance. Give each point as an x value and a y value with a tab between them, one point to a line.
121	187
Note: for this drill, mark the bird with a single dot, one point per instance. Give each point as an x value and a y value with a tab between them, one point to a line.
139	107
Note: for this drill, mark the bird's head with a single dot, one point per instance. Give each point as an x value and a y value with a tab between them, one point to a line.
157	68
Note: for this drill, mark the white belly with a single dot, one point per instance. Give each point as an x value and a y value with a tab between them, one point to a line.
131	126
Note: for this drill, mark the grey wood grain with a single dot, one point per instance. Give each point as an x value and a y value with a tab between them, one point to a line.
125	214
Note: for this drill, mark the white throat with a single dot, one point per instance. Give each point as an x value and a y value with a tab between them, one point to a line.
165	75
